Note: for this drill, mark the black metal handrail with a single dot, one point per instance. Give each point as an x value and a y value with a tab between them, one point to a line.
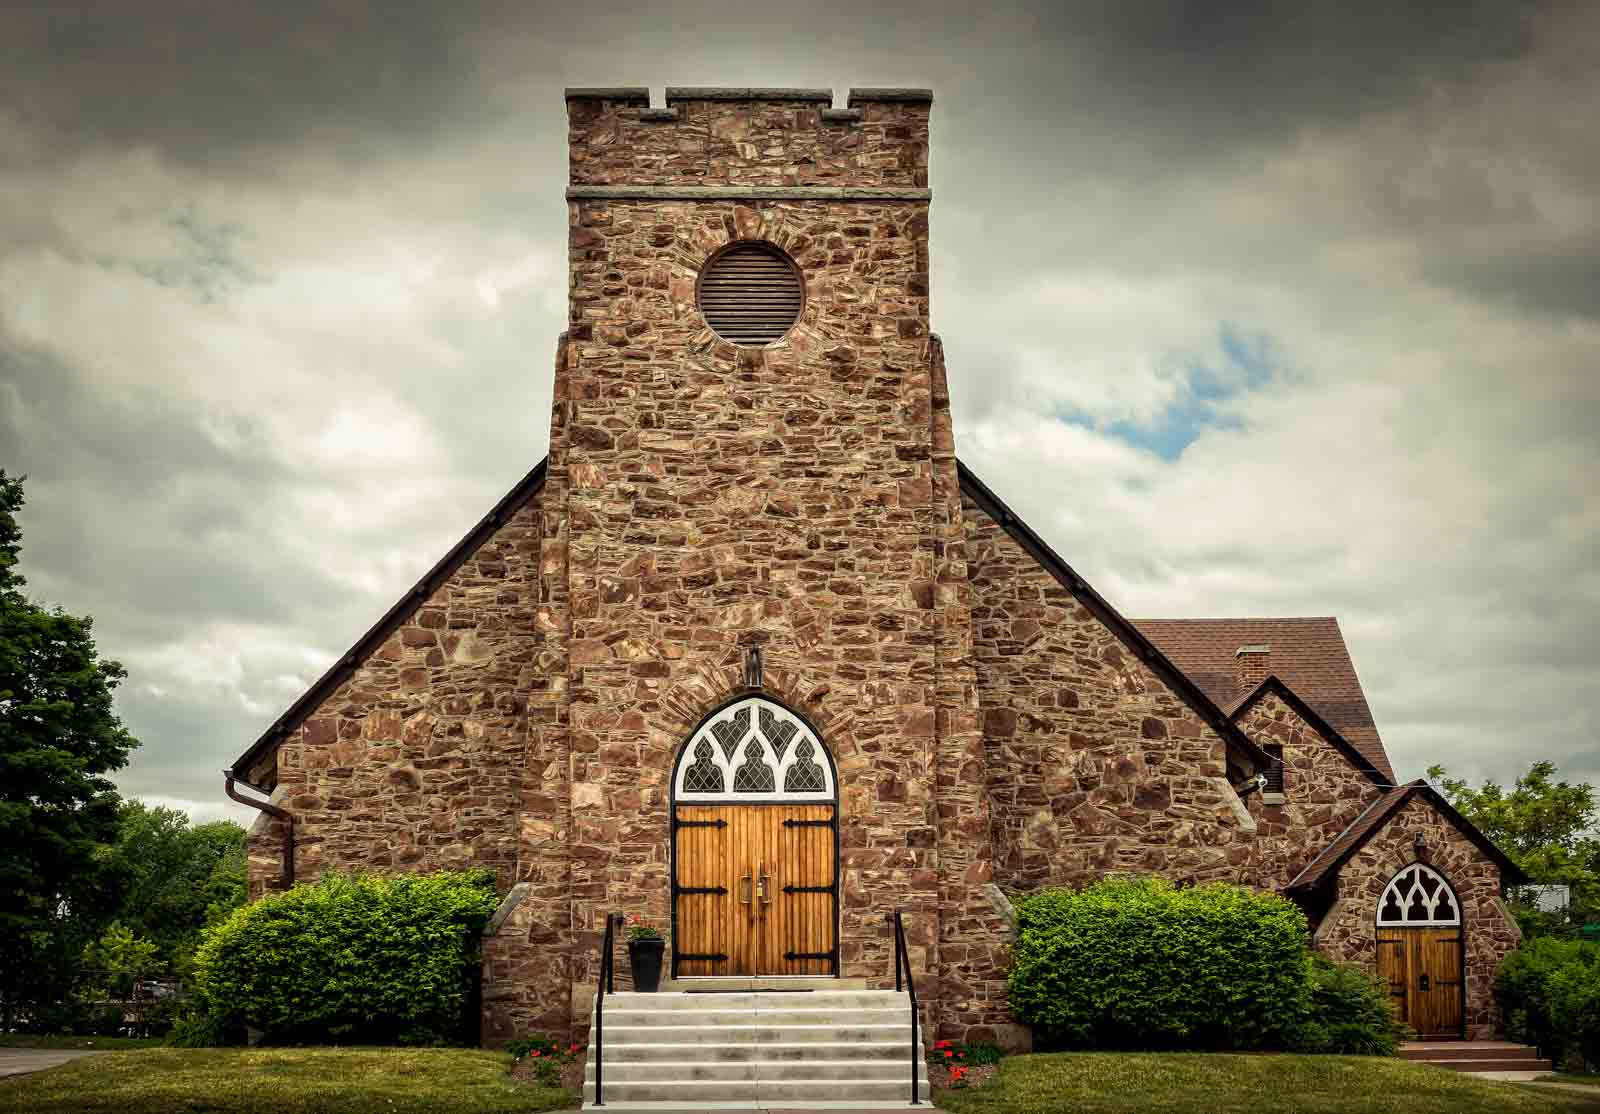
607	985
902	958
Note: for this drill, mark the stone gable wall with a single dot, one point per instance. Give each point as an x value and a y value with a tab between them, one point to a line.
1094	764
415	762
1349	930
757	143
1323	793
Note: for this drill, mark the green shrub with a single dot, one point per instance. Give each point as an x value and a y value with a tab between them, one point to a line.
201	1029
547	1057
984	1052
1524	984
1142	963
1349	1013
362	959
1574	991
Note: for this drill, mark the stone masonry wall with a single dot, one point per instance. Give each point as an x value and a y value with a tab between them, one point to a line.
720	496
1349	930
1323	793
415	762
747	142
1095	765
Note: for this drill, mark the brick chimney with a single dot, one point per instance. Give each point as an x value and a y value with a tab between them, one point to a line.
1250	666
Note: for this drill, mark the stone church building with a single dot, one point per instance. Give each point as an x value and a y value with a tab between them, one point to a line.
754	656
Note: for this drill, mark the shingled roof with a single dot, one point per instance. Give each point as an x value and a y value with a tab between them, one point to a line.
1375	815
1307	654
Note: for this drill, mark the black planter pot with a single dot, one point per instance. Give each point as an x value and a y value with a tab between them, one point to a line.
644	957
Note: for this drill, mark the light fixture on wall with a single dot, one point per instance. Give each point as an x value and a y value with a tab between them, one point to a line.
1420	842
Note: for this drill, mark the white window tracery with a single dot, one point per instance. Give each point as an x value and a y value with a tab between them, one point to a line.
754	750
1418	896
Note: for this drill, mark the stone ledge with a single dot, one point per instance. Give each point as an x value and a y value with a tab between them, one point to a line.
507	905
731	193
660	115
629	94
841	115
899	96
718	93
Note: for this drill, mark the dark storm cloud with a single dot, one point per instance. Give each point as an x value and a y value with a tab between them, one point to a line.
206	80
347	215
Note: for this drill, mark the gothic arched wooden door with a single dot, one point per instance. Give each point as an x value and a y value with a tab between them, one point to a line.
1420	938
755	847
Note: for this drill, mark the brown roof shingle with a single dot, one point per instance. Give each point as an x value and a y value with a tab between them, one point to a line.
1307	654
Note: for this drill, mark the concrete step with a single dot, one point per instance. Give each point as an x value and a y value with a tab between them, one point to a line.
800	1092
720	984
627	1052
1490	1065
849	1071
619	1035
632	1018
1465	1050
766	1002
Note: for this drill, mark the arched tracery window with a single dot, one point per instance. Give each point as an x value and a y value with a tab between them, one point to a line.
754	750
1418	896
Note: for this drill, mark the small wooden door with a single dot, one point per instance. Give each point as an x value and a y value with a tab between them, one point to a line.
1423	969
755	890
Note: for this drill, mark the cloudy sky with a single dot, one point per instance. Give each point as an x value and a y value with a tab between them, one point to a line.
1250	309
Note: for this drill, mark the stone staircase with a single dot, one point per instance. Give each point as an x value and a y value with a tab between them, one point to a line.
756	1050
1475	1056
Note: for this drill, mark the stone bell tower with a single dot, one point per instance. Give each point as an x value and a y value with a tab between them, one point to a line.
751	447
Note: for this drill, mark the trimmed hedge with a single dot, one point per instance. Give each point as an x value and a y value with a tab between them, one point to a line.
1350	1013
362	959
1143	963
1549	992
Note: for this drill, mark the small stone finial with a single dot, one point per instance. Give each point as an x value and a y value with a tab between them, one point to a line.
752	666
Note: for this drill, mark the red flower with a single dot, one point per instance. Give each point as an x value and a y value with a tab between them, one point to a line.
535	1053
941	1044
574	1048
947	1054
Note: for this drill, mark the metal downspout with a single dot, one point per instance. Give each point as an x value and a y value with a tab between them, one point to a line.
276	813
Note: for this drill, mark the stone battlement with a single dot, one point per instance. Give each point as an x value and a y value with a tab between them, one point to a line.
749	137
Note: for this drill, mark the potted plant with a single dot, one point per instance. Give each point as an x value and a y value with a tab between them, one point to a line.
645	946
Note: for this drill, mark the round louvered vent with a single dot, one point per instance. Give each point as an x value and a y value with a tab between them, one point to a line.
750	293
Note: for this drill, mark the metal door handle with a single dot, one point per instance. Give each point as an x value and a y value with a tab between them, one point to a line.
1422	981
761	886
744	888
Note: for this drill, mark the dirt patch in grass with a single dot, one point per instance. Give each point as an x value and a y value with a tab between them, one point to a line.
1180	1083
283	1081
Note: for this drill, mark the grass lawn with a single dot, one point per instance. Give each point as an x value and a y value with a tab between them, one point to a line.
1575	1077
1114	1083
104	1044
281	1081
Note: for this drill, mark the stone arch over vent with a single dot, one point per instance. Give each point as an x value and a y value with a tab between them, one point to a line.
1418	897
754	749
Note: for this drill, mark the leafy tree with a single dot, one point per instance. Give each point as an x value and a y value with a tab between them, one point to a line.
176	879
59	738
121	963
1546	826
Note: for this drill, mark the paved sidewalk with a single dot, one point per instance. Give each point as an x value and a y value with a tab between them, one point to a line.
21	1061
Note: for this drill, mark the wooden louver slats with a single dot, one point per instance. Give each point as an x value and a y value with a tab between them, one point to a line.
750	294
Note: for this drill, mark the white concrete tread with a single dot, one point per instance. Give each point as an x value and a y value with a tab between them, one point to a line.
835	1049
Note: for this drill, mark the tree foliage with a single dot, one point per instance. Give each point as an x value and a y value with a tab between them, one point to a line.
1546	826
175	879
59	738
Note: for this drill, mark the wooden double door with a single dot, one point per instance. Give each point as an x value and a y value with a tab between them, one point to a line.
1424	971
755	890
